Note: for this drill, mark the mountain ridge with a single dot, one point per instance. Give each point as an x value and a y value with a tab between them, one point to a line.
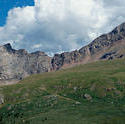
89	53
17	64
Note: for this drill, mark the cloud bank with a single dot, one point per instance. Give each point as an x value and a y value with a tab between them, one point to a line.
54	26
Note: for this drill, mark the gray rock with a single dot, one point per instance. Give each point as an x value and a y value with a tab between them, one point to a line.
75	88
17	64
77	103
88	97
1	99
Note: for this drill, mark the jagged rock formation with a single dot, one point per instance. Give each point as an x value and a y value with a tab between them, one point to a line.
107	46
17	64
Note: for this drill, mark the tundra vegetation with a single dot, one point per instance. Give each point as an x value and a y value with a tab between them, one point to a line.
93	93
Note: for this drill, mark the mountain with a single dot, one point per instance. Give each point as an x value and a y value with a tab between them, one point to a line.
17	64
106	47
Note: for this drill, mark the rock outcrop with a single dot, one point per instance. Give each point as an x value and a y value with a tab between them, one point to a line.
17	64
105	47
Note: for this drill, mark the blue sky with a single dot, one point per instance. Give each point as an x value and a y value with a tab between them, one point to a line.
6	5
55	26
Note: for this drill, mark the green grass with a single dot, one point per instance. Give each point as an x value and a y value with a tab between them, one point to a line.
58	97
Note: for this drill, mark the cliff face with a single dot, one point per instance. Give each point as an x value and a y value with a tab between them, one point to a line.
107	46
17	64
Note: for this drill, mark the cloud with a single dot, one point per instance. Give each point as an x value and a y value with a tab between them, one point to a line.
54	26
36	46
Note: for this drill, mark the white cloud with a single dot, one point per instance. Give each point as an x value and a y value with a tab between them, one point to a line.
60	25
36	46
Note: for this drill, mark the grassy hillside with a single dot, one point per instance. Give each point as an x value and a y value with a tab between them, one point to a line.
61	97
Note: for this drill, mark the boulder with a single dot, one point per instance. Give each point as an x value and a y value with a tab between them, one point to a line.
88	97
1	99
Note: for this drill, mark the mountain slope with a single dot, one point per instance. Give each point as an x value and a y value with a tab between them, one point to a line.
107	46
90	94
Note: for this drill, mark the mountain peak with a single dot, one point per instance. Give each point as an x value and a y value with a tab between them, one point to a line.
8	47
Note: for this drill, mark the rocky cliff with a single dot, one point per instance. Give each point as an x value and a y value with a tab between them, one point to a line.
107	46
17	64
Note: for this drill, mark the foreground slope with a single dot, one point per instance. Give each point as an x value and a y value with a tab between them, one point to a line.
89	94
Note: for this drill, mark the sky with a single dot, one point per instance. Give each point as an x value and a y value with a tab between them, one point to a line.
55	26
6	5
